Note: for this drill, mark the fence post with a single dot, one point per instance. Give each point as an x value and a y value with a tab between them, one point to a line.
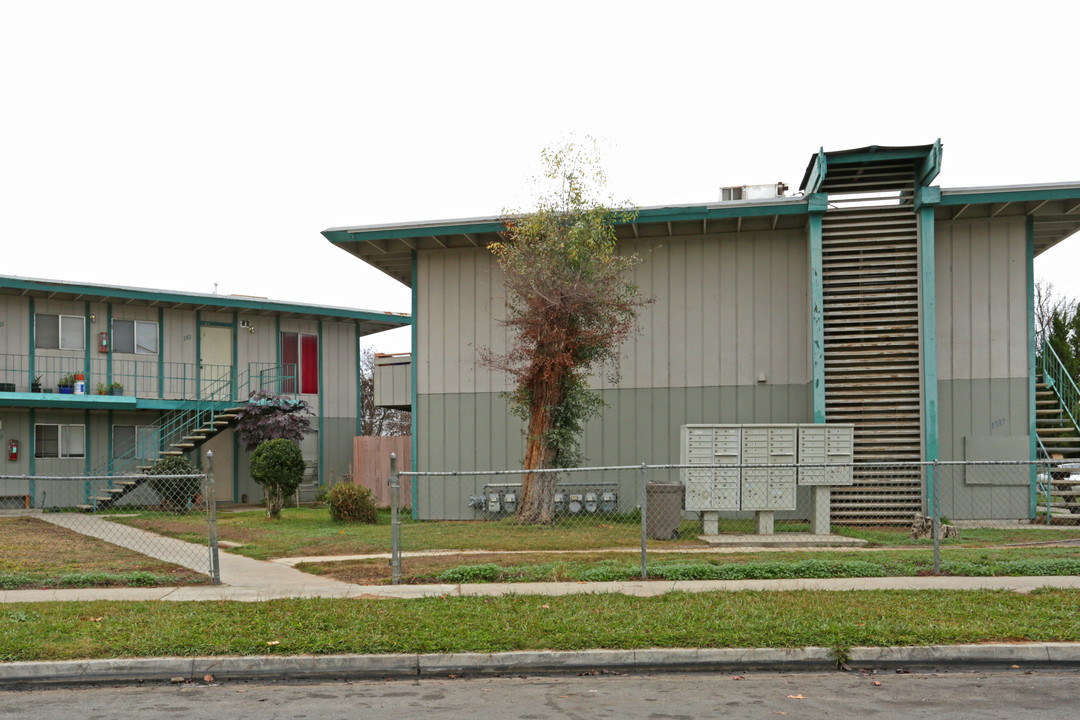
395	524
211	515
936	511
644	516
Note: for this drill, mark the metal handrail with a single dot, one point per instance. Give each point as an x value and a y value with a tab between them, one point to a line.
1058	379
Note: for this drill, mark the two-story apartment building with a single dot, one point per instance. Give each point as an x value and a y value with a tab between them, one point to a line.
145	372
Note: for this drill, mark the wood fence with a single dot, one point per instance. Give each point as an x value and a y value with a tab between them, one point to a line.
371	466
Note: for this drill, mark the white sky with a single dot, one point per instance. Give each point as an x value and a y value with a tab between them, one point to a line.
176	145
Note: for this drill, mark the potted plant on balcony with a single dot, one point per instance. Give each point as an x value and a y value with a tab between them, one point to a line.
66	384
116	388
101	389
35	385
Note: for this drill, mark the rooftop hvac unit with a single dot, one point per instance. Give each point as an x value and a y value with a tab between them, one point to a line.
753	192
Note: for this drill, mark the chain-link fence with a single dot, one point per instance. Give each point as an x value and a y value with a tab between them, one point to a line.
743	520
114	522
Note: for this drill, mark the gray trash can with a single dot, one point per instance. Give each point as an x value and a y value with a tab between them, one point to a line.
663	510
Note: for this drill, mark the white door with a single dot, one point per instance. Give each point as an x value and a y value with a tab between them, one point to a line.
215	362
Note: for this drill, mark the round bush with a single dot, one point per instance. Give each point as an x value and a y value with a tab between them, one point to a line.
277	465
174	490
351	503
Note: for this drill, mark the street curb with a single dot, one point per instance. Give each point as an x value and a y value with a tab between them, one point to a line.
413	666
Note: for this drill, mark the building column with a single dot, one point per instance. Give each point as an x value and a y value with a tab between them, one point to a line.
926	200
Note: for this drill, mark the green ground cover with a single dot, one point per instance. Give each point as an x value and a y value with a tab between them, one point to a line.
59	631
626	565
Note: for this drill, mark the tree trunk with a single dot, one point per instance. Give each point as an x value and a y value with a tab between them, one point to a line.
538	489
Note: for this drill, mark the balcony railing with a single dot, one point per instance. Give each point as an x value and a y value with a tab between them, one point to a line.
145	378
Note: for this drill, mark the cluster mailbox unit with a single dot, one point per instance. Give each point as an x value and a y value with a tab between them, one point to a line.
758	467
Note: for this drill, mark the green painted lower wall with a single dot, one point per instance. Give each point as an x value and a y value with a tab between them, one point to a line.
476	432
985	408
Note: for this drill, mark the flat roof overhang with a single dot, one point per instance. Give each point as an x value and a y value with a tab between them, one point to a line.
367	321
389	247
1054	208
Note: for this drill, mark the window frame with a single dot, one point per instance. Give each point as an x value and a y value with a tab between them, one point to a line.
61	429
60	317
139	429
135	337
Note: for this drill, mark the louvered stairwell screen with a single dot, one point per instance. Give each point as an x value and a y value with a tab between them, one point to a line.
871	319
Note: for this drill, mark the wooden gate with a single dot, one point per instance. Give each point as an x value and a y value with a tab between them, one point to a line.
371	466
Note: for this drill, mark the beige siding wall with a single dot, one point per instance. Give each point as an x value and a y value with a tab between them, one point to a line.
339	370
981	280
393	381
14	326
728	307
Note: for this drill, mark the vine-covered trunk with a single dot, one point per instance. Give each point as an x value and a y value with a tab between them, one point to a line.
538	489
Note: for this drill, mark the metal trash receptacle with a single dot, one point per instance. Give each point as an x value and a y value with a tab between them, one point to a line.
663	510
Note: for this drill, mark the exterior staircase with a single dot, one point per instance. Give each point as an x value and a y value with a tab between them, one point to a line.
180	433
1057	402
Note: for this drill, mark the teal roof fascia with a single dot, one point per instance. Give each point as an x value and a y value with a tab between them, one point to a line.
931	165
66	401
222	301
977	196
781	206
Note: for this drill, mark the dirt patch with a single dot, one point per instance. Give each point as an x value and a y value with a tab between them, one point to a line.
34	547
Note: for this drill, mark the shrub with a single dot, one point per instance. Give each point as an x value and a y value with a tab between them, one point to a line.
175	491
277	465
489	572
351	503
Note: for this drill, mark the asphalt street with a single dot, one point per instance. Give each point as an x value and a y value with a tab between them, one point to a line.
1013	693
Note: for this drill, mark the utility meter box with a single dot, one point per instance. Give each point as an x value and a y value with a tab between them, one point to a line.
826	444
766	487
711	488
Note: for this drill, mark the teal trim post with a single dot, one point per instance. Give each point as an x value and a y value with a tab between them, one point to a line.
86	455
160	354
86	350
277	354
1032	369
359	383
413	407
926	198
108	356
322	402
233	384
818	204
33	456
109	439
198	364
33	351
235	467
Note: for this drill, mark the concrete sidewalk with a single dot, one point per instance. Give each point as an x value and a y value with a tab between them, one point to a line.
257	580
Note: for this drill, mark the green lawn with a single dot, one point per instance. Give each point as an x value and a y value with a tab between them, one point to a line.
60	631
309	531
626	565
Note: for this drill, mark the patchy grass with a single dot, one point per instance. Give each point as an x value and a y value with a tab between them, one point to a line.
54	631
306	531
310	532
626	565
34	553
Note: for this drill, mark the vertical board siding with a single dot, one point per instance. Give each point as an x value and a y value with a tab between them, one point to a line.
371	466
981	285
727	307
637	425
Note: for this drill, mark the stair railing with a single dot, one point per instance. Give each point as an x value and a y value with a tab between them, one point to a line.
1057	378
